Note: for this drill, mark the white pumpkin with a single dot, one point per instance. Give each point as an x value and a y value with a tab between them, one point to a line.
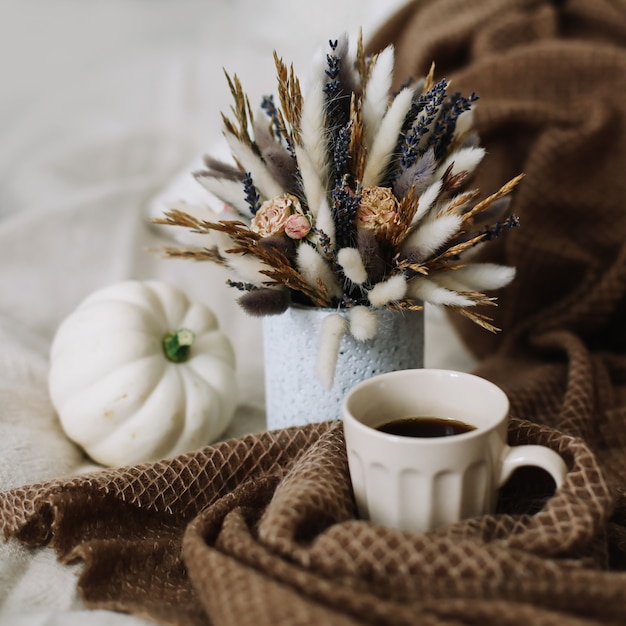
138	373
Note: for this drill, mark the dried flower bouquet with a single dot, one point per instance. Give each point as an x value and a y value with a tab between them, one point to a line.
349	197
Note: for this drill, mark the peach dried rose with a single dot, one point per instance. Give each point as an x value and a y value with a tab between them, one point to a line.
297	226
272	214
378	209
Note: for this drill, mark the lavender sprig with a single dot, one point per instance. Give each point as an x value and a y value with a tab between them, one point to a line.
268	105
334	63
428	105
326	245
332	89
251	193
501	226
341	153
325	242
241	286
451	109
337	97
344	209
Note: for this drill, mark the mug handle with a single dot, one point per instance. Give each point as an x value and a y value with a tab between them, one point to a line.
538	456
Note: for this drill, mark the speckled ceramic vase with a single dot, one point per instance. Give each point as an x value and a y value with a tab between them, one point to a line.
293	394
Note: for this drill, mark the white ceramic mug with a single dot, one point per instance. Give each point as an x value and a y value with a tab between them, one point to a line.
422	483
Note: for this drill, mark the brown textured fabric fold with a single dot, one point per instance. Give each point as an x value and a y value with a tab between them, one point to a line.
262	530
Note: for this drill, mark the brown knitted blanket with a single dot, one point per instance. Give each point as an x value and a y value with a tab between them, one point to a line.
262	530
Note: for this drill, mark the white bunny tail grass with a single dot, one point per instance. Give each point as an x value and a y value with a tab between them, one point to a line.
332	330
228	191
464	160
314	187
352	265
248	268
464	124
432	234
386	138
312	131
324	220
426	201
388	291
266	184
377	92
314	269
421	288
477	277
363	323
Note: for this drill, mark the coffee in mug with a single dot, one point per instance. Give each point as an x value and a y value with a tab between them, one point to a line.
428	447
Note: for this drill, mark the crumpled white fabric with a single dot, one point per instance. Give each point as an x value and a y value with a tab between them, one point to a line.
93	140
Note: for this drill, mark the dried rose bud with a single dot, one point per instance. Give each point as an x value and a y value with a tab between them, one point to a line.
378	209
297	226
272	214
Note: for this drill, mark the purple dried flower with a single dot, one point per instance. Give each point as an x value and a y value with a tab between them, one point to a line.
344	209
267	105
338	93
443	132
251	193
425	107
341	151
333	61
494	231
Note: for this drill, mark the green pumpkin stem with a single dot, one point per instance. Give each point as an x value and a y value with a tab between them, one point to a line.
177	343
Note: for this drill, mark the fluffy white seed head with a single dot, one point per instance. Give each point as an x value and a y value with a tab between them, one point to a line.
426	290
363	323
352	265
464	159
477	277
377	93
331	331
464	123
267	185
432	234
312	124
426	201
248	268
313	268
388	291
228	191
384	142
324	220
314	187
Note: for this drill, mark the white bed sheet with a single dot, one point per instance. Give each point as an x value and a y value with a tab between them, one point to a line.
104	107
